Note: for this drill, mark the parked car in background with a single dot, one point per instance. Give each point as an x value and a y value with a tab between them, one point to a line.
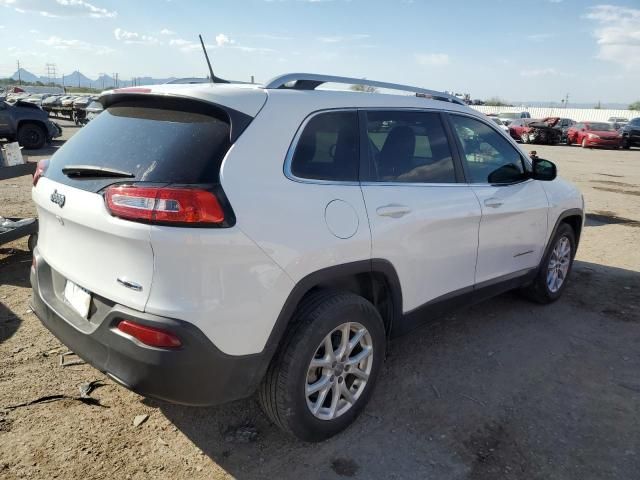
518	127
618	122
594	134
508	117
28	124
93	110
560	124
630	134
500	124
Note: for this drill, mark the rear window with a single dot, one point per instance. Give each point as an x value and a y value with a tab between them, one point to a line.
328	148
153	144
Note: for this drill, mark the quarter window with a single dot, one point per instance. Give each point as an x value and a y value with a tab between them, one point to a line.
328	148
408	147
489	157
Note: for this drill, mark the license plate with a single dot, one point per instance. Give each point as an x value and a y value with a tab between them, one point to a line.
78	298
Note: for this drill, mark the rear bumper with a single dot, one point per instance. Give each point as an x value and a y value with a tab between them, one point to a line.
196	374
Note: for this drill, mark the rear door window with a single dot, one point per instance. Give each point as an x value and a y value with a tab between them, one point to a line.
328	148
408	147
156	145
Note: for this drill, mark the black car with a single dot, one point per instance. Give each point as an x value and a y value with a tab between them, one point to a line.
631	134
27	123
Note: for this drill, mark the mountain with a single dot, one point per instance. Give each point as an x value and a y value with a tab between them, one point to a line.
25	76
77	78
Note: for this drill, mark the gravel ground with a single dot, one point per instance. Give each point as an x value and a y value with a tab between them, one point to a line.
506	389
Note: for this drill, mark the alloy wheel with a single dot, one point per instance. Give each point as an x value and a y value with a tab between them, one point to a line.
559	263
339	371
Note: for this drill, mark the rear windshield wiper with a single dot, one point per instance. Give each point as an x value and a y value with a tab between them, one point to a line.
91	171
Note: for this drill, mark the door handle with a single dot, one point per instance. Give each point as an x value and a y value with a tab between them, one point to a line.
492	202
393	211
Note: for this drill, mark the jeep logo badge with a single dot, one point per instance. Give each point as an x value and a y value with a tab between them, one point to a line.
58	198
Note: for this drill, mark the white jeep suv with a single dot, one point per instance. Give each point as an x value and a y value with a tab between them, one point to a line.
200	242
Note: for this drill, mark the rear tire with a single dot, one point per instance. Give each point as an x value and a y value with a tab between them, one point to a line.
524	138
31	136
625	144
555	267
303	390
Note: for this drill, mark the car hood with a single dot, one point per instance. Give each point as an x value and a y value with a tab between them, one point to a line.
603	133
25	104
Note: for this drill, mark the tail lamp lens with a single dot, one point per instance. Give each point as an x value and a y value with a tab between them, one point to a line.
154	337
164	205
40	170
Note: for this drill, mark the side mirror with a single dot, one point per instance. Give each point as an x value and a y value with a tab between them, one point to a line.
543	170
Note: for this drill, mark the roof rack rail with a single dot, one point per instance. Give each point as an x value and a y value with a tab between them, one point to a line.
310	81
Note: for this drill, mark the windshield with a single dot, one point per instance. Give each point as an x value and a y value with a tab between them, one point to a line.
509	115
602	127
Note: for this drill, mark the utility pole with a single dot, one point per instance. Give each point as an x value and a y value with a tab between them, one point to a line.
566	100
51	73
19	75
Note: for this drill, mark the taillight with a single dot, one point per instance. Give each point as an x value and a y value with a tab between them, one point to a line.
164	205
40	169
154	337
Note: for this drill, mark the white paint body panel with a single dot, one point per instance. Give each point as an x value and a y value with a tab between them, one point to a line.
562	196
84	243
247	99
513	228
219	280
433	247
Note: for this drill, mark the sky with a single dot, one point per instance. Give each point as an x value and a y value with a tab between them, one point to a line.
537	50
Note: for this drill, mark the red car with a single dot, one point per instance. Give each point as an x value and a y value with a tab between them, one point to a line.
519	126
594	134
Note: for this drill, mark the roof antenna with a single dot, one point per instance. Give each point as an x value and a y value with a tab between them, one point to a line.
204	49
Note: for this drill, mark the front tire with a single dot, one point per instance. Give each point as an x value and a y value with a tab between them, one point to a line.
326	370
584	143
32	136
555	267
524	138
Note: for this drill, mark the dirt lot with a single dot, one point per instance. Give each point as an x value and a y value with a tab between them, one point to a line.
506	389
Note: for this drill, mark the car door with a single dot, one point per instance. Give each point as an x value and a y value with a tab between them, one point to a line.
514	207
5	127
423	218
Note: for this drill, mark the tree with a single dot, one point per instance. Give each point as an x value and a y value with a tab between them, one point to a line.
364	88
635	105
496	102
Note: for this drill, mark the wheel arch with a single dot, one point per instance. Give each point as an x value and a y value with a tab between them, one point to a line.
574	217
376	280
